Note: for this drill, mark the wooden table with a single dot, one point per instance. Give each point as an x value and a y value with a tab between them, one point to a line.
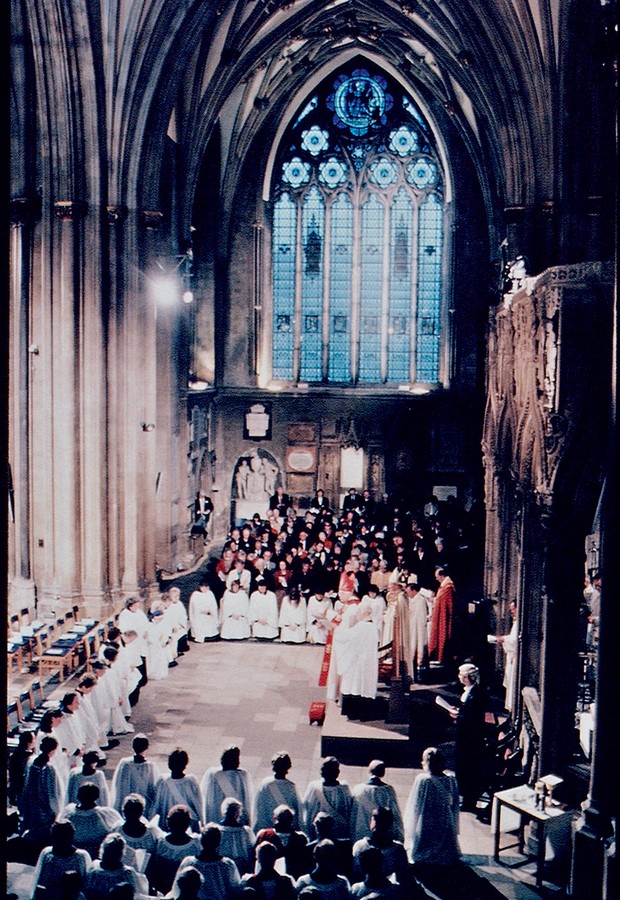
522	801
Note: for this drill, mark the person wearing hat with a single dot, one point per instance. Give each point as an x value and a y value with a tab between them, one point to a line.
469	750
263	612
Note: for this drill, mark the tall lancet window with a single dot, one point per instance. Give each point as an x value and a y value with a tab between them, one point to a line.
358	238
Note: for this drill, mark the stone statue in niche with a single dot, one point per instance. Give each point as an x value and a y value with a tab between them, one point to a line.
256	477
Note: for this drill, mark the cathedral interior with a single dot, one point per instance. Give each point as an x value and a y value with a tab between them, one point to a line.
325	245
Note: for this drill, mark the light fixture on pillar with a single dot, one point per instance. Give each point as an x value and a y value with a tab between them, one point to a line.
147	426
170	281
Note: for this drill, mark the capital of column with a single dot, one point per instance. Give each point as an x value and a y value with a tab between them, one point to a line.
116	214
24	210
70	210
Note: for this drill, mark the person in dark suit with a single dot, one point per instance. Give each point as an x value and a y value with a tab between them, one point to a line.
469	751
280	502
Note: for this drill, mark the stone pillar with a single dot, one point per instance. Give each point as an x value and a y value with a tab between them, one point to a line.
22	588
64	411
116	216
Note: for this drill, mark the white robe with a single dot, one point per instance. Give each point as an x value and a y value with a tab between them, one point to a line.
432	820
94	733
319	613
264	607
273	792
203	615
360	661
217	784
336	800
131	777
170	791
369	796
71	736
77	779
418	626
157	657
510	646
339	659
292	621
135	621
234	604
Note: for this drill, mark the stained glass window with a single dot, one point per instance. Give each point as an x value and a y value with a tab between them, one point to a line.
357	237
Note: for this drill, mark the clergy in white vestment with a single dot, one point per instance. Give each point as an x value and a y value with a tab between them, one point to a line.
88	772
70	730
378	606
359	662
177	787
203	614
320	614
293	616
95	734
179	618
60	761
136	775
237	840
345	616
329	794
417	598
274	791
263	612
510	645
370	795
133	618
228	781
110	871
432	814
92	822
235	625
117	687
157	653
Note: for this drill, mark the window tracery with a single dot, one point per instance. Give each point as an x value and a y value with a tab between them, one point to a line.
358	238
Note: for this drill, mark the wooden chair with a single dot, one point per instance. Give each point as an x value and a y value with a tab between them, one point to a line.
58	659
36	696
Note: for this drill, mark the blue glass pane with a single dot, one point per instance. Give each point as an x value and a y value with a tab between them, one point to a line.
371	290
430	243
313	240
399	323
383	172
283	255
340	280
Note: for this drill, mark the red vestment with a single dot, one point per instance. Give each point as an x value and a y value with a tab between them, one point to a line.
441	621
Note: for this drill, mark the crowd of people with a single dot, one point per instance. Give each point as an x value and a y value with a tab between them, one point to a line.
376	571
147	833
289	576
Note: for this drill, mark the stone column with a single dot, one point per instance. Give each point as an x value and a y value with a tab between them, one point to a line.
64	412
22	588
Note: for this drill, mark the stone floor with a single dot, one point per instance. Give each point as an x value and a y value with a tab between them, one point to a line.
257	696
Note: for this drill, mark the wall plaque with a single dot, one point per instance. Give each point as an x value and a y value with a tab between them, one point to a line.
301	459
302	433
257	422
